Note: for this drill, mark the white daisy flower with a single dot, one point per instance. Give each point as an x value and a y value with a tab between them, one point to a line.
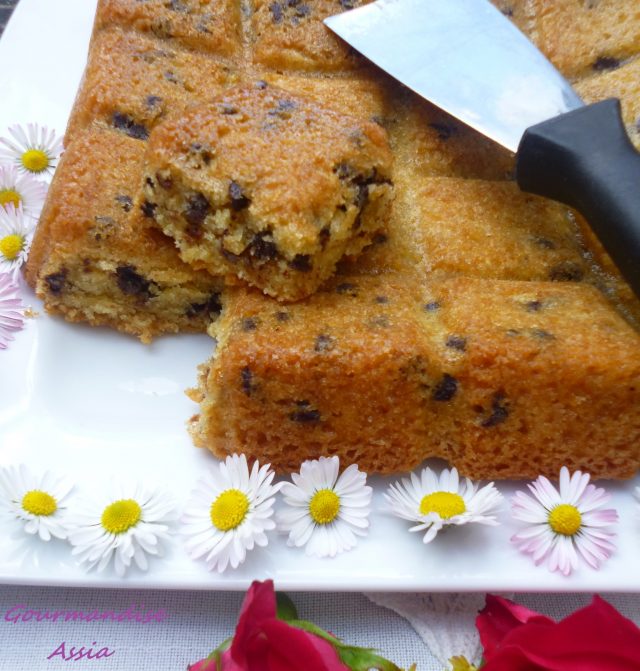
436	502
229	512
38	504
35	150
16	190
325	513
16	234
11	309
565	525
126	526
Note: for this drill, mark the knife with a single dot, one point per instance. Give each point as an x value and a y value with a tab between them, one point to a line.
467	58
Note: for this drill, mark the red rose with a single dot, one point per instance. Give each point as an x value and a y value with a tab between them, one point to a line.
594	638
262	642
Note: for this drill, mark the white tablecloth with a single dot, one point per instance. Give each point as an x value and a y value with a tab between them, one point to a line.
197	622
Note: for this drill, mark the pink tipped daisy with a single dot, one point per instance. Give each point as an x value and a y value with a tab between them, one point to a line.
564	526
11	310
21	190
35	150
16	233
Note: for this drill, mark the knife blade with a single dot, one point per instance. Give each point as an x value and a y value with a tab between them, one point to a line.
467	58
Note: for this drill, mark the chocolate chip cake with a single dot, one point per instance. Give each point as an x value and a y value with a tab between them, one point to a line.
480	325
97	259
234	216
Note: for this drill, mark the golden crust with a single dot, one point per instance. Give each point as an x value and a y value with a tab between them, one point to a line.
212	26
133	81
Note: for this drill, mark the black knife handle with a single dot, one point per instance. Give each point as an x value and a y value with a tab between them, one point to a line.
584	158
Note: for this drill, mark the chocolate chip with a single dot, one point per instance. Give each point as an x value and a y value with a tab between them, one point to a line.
131	282
249	324
261	85
499	411
239	201
171	77
282	316
152	101
566	272
324	343
56	281
149	209
262	248
432	306
507	11
212	306
347	288
379	238
533	306
606	63
347	4
126	124
276	12
382	300
150	183
246	377
125	202
178	6
165	182
197	209
305	414
324	236
456	342
301	262
446	389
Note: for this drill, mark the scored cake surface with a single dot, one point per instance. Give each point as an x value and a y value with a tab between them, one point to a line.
484	326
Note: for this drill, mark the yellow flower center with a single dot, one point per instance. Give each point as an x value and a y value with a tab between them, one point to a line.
40	503
445	504
565	519
11	246
229	509
35	160
10	196
324	506
121	515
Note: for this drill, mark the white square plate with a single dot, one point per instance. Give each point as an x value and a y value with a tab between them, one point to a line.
101	406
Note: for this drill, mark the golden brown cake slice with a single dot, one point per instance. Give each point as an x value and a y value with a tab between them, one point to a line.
206	25
339	373
545	375
290	35
269	187
503	379
580	36
133	81
95	258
